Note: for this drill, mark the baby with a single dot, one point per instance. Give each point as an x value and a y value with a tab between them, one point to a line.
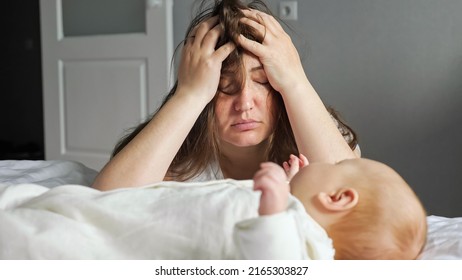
365	207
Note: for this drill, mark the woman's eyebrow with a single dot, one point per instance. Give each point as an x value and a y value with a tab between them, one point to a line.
256	68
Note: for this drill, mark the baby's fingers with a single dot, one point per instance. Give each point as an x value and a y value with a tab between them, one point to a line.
303	160
292	167
286	166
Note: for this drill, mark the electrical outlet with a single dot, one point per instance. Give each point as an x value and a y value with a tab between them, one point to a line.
288	10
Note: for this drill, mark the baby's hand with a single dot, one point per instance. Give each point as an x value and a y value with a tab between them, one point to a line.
293	165
271	180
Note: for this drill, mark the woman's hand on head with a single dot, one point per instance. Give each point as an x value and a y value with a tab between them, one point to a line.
200	66
277	53
271	180
293	165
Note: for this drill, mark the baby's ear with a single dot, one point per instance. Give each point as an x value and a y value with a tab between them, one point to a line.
342	199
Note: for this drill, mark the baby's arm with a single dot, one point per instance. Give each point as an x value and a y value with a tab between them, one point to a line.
275	234
272	181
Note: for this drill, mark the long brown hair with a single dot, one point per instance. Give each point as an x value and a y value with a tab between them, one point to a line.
201	147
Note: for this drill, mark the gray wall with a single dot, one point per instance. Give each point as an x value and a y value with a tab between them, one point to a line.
393	68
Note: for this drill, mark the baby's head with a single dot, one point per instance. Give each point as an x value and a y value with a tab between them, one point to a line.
367	209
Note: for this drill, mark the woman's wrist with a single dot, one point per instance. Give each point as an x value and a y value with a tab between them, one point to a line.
298	89
191	97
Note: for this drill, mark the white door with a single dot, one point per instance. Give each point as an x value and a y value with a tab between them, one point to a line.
97	85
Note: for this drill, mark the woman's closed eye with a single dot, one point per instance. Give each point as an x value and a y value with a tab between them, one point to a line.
262	81
228	87
260	77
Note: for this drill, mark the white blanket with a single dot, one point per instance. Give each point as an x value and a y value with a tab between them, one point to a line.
165	221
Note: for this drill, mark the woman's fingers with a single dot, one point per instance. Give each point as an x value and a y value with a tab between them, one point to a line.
251	45
199	32
223	52
268	21
254	24
275	52
211	38
264	25
206	42
201	64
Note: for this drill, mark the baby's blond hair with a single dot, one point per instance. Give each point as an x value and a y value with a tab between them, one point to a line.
389	222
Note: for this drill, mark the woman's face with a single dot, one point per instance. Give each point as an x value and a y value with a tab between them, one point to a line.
246	117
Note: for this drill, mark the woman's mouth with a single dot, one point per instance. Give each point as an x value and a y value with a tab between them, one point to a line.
245	125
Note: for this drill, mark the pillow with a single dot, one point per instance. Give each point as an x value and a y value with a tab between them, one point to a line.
444	239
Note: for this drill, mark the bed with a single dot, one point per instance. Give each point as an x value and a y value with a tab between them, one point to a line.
66	219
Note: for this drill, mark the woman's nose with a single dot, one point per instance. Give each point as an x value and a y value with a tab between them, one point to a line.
244	106
244	101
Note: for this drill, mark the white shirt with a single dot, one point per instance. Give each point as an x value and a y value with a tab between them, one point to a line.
211	173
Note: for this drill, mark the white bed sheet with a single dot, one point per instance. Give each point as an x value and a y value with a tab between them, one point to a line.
50	173
444	240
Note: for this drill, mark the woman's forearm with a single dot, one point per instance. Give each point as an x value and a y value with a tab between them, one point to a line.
147	157
316	134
